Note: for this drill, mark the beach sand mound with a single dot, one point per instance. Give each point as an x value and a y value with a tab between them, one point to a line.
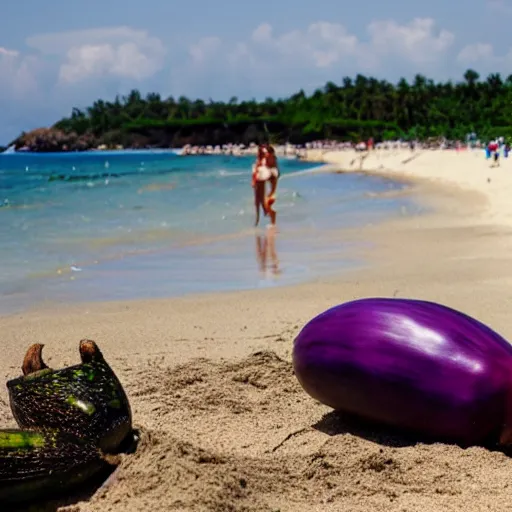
243	436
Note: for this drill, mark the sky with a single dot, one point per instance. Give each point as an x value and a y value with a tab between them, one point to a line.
63	54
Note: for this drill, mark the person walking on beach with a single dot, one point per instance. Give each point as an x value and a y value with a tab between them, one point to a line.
271	162
494	149
265	170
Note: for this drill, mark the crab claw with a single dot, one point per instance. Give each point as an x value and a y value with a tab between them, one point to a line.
33	361
89	351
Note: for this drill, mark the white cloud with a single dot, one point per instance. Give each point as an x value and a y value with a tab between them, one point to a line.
321	44
483	57
278	63
267	61
325	44
417	41
5	52
59	42
204	49
116	51
17	73
473	53
262	33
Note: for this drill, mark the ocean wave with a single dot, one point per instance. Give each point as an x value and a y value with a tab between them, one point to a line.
225	173
78	177
25	155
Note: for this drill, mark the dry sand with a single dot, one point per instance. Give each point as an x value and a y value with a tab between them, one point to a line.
224	423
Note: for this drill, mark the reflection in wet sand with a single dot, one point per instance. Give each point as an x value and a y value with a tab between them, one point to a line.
266	253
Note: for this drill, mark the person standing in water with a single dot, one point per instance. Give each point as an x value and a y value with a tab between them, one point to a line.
265	170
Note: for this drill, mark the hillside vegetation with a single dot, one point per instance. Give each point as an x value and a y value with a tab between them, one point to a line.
353	110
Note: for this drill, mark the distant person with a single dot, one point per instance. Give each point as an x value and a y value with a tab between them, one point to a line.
488	151
271	162
265	170
258	184
494	148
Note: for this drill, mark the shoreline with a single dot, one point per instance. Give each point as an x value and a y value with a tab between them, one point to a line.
225	358
474	174
424	192
53	286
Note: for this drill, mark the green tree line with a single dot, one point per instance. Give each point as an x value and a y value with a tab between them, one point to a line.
356	108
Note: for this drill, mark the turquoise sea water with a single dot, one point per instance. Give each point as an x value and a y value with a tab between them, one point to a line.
102	226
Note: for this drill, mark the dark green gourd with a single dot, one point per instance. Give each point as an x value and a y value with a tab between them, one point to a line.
34	465
86	400
69	418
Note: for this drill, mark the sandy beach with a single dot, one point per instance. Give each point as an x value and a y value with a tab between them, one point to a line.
224	424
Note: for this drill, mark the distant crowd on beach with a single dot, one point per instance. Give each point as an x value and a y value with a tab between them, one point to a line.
492	148
495	148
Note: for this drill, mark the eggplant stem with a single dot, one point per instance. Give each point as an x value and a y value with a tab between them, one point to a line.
33	361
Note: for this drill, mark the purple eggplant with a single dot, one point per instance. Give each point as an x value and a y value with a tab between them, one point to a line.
412	364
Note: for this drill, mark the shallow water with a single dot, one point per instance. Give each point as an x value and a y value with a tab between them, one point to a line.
100	226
